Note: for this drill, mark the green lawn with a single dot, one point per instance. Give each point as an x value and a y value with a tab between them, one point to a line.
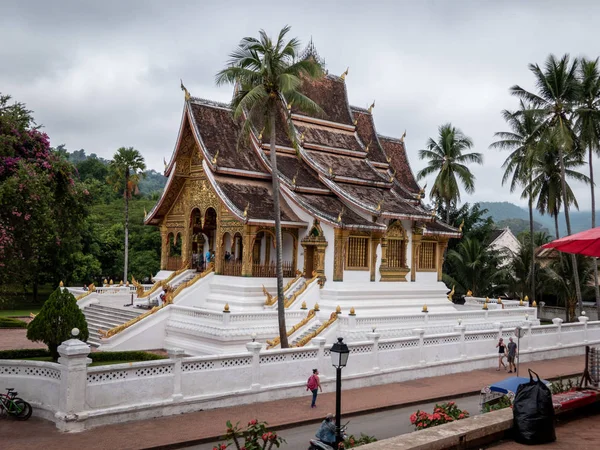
19	312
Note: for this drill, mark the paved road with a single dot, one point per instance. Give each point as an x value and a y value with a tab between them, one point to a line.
382	425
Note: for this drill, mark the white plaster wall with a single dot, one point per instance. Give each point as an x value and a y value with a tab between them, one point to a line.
357	276
288	247
506	241
426	277
147	334
328	232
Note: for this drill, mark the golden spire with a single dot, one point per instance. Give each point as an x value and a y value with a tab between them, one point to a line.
246	210
214	160
339	217
187	94
316	308
372	106
469	293
499	301
460	227
345	74
403	136
487	299
526	298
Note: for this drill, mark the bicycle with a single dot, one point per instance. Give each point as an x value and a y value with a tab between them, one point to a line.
15	406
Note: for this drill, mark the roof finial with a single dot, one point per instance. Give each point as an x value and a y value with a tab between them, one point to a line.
183	88
339	217
246	210
289	105
165	162
345	74
403	136
367	147
379	205
393	175
355	122
214	160
371	107
331	175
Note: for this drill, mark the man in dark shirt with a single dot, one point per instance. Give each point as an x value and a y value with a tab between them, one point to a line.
512	354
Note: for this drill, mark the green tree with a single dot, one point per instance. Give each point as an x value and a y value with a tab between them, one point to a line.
558	93
446	157
53	325
546	184
125	168
476	268
588	127
265	72
521	141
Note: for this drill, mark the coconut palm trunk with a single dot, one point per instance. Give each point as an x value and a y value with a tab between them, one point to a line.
126	259
531	240
594	260
556	225
568	220
278	240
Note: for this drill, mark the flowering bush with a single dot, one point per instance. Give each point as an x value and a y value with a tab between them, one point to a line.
501	403
444	413
254	437
352	441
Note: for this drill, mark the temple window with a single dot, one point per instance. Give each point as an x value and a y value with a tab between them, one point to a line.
396	252
358	253
427	255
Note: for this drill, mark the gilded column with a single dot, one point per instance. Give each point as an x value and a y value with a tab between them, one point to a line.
441	248
249	236
340	237
164	247
416	247
186	245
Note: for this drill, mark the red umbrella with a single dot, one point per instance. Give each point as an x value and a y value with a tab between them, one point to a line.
585	243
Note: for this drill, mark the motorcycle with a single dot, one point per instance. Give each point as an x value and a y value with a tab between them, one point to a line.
316	444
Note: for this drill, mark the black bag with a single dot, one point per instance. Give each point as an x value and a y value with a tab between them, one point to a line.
533	413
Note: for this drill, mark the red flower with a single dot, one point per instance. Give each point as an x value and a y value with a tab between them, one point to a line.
253	422
413	418
461	416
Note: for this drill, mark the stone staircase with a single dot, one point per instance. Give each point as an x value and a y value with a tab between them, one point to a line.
314	327
104	318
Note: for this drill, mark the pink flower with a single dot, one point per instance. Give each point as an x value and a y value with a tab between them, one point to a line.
461	416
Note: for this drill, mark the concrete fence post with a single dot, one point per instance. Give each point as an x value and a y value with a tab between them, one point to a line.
254	348
499	326
73	383
320	343
584	320
421	333
375	351
463	346
558	322
176	354
527	325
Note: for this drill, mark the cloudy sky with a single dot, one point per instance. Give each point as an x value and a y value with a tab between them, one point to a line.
100	75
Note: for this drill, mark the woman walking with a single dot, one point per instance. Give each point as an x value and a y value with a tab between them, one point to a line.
501	351
313	385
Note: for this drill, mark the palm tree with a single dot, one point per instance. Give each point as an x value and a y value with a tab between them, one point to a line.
126	168
446	157
546	183
588	127
475	268
557	97
265	74
520	272
521	141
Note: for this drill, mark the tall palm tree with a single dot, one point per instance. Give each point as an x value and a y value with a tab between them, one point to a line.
126	168
265	74
446	157
588	127
545	184
521	141
556	99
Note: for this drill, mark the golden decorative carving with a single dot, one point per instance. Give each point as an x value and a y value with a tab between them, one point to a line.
275	342
339	250
403	136
534	304
526	299
317	307
451	294
338	309
226	308
91	288
186	92
485	306
352	311
215	158
289	302
460	227
270	298
371	107
303	305
469	293
345	74
521	302
424	309
305	340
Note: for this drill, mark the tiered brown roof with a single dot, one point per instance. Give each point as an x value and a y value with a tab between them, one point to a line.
340	171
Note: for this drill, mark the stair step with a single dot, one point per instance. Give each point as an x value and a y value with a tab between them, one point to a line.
100	317
112	314
98	325
110	309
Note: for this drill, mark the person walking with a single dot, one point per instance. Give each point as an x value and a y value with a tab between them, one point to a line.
501	351
314	384
511	355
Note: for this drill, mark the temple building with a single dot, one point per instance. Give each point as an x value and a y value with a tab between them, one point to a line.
351	209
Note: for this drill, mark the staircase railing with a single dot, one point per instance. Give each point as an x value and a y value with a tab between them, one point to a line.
306	339
272	299
159	284
168	301
275	342
91	288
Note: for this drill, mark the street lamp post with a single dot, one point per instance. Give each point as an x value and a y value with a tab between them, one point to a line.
339	358
519	333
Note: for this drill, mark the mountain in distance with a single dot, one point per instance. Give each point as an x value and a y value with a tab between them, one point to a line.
506	214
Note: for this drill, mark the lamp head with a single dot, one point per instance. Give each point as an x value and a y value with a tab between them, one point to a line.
339	354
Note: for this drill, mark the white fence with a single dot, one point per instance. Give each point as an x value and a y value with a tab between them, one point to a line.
76	396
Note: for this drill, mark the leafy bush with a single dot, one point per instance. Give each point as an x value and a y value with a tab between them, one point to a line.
352	441
256	436
7	322
561	385
503	402
53	325
124	356
444	413
24	353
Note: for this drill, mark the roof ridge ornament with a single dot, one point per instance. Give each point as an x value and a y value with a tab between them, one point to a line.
403	136
339	217
165	162
311	52
183	88
435	207
245	213
392	176
388	159
260	135
345	74
371	107
215	158
331	174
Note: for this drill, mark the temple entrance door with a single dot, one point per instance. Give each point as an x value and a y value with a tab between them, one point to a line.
309	261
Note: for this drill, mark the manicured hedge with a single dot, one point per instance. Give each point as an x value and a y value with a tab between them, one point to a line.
24	353
7	322
96	356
